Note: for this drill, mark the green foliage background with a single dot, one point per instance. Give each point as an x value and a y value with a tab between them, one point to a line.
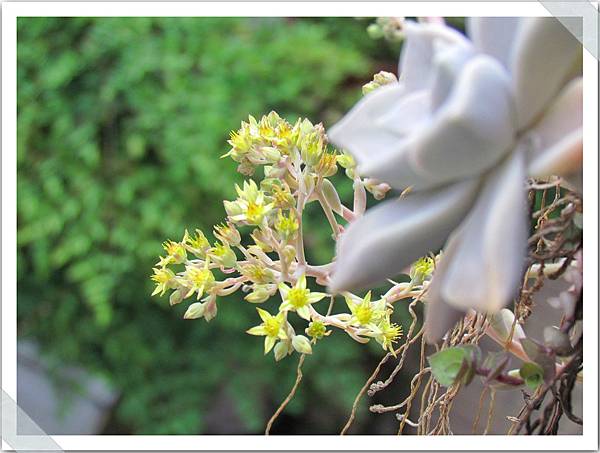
121	122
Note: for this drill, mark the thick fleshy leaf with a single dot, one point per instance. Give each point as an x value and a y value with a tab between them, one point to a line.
473	129
439	315
360	133
397	232
448	64
470	133
405	116
488	264
556	142
494	35
416	61
543	54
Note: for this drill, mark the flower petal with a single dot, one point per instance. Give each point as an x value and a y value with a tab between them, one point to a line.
269	343
285	305
257	330
304	312
543	54
488	263
264	314
494	35
315	297
557	140
283	290
397	232
301	283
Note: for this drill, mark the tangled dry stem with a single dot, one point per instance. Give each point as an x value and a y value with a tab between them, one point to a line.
553	244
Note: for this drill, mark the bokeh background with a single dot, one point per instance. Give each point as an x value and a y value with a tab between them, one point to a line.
121	122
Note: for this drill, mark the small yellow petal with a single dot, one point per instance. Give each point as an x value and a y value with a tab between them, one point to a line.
256	330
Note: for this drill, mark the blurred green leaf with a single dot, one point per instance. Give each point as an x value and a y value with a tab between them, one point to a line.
121	122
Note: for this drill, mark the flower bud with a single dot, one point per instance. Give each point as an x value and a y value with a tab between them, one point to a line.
281	350
379	190
233	208
316	330
380	79
260	293
195	311
502	324
375	31
286	225
346	160
331	196
289	253
228	234
421	270
175	251
223	255
301	344
261	240
312	144
246	168
270	154
197	244
176	297
211	307
327	165
274	171
309	182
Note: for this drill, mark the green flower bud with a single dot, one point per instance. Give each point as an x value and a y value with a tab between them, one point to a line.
331	196
316	330
375	31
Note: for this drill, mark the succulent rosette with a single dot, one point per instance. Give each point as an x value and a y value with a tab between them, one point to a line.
468	121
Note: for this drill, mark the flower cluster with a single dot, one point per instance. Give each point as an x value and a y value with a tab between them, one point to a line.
259	249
